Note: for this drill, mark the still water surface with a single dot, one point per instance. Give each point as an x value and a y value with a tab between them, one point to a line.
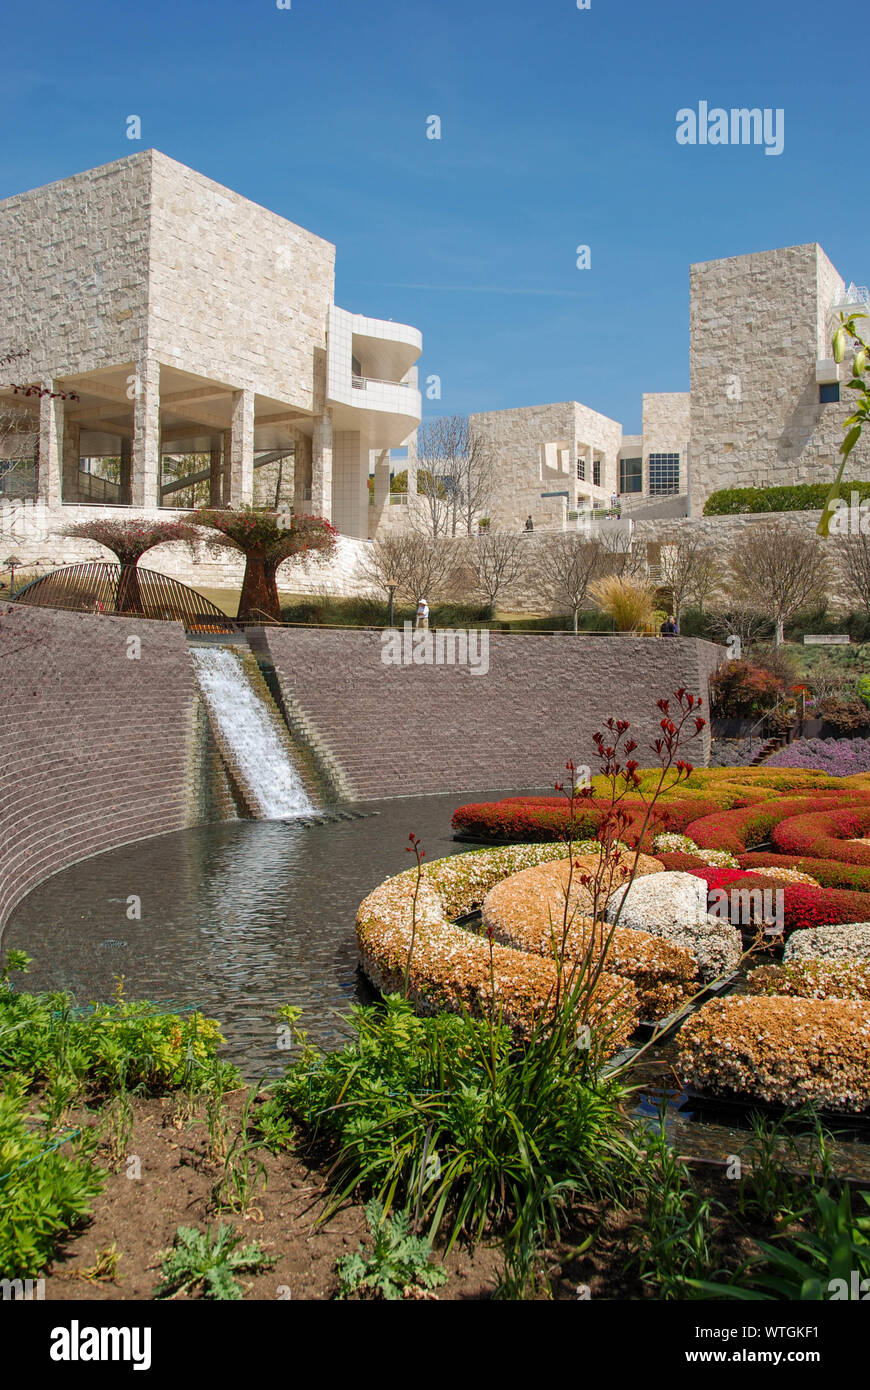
241	917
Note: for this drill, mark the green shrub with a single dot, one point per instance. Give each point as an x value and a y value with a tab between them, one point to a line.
103	1047
44	1193
447	1114
796	497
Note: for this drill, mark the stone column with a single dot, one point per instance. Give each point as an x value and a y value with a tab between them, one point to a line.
412	464
382	487
125	486
216	475
146	436
50	458
71	450
301	473
242	449
321	467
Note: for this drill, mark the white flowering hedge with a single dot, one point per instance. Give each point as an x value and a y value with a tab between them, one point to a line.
451	968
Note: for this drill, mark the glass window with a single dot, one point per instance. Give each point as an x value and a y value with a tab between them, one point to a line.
631	475
664	474
581	470
596	472
829	393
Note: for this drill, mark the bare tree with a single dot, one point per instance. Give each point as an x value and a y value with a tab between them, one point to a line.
568	562
496	560
778	571
853	554
620	556
707	576
459	467
686	563
740	620
415	565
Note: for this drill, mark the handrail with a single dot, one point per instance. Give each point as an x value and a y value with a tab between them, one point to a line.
767	715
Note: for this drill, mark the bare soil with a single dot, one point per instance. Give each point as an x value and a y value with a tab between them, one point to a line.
140	1216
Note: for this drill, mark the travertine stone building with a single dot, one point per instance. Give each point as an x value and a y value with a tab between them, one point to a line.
765	406
199	334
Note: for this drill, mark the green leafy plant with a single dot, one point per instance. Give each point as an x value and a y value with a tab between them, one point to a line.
44	1192
397	1266
807	1266
206	1262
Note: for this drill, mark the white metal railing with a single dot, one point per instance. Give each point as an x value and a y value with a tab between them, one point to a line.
361	382
855	294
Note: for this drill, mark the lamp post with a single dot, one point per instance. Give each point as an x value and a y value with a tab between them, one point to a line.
12	563
392	588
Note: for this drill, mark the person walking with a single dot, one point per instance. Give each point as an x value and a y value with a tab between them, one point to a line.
530	525
422	614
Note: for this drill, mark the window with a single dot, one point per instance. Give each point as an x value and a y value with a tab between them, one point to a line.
581	470
631	475
596	472
829	393
664	474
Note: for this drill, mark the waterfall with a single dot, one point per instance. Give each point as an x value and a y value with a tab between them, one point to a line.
244	728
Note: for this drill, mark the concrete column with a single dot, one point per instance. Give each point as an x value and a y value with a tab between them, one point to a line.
146	436
412	464
242	449
50	458
71	450
321	467
125	487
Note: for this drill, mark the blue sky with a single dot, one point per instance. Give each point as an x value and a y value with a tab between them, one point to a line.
558	129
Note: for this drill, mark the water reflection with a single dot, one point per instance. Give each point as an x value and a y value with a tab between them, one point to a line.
236	918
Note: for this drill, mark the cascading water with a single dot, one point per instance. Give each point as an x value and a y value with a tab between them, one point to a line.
243	723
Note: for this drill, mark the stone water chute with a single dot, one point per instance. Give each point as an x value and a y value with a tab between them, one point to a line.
250	735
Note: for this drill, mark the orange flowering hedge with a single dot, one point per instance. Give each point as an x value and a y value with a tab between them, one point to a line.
786	1050
450	968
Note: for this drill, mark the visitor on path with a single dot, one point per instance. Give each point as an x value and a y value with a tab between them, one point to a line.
669	627
530	525
614	501
422	614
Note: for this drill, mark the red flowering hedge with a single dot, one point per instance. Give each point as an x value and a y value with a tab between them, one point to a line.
740	829
830	873
529	819
824	834
802	906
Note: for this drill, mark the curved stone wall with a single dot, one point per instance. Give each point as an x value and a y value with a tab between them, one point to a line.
97	742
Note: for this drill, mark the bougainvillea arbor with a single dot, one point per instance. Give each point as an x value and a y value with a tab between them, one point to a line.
129	539
266	539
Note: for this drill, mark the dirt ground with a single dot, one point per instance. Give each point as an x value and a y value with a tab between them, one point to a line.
140	1216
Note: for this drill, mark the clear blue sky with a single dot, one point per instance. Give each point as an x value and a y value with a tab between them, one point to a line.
558	129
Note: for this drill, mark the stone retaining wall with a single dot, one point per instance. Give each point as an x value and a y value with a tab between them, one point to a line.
98	749
396	730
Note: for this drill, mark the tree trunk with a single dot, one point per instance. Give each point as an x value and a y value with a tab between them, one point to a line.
129	594
259	597
576	616
780	632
